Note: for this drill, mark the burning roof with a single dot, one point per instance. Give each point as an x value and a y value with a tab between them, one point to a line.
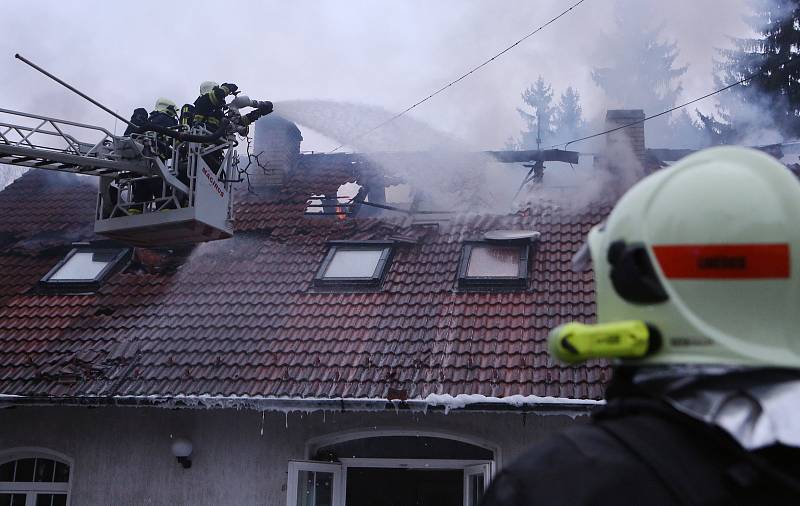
242	316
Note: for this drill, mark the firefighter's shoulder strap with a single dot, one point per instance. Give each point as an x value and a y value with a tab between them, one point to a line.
698	463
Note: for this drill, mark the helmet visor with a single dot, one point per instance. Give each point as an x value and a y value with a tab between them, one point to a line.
582	259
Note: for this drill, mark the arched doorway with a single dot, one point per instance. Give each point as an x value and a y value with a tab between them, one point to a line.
391	468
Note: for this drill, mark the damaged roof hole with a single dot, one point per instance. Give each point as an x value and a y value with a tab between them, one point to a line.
340	206
398	195
314	204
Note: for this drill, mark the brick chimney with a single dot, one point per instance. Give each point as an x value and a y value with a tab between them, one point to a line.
277	142
634	134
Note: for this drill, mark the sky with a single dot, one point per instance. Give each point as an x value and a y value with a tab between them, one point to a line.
382	54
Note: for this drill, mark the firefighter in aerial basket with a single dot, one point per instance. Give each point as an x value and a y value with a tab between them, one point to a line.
209	111
697	275
163	115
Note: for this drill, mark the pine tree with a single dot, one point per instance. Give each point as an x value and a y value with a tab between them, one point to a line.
642	73
569	123
776	92
539	99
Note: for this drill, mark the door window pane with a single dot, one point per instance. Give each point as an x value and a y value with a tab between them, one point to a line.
7	472
314	488
323	489
44	470
25	470
305	488
59	499
405	447
62	473
12	499
476	487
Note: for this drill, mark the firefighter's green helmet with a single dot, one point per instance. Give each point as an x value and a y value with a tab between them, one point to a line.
706	253
207	86
166	106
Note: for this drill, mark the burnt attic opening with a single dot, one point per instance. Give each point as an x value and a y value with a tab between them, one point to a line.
341	203
370	199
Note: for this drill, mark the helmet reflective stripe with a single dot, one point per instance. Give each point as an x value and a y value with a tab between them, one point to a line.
164	105
207	86
728	261
718	233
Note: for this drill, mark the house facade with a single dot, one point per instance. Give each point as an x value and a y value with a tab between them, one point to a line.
344	352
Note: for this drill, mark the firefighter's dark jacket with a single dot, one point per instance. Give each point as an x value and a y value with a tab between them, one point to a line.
209	109
640	451
162	119
165	120
138	118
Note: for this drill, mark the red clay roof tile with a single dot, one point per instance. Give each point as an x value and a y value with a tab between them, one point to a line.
241	316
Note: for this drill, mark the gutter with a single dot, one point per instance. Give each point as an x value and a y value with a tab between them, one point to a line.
432	403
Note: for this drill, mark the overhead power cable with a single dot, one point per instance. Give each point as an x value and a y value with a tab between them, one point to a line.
462	77
755	75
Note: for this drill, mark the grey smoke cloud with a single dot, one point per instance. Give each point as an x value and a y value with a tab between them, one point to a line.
381	54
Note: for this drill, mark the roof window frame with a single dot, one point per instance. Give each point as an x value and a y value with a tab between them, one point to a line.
85	284
478	283
355	283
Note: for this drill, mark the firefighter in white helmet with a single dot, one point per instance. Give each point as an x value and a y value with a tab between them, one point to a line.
698	307
165	115
209	109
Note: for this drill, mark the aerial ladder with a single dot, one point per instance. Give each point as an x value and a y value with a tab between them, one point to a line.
190	177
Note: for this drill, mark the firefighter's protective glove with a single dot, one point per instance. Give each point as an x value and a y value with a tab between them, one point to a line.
252	116
230	88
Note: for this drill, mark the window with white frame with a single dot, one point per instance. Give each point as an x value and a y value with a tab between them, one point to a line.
34	478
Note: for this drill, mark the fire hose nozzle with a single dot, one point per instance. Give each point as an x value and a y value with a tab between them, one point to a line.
577	342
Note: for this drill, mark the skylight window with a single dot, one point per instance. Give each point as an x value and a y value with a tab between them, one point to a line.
488	265
354	264
84	268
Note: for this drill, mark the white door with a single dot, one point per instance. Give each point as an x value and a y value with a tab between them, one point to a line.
314	484
476	479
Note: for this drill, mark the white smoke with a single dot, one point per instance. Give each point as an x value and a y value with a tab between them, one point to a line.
352	124
9	174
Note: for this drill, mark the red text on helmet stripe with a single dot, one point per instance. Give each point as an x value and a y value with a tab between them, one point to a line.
723	261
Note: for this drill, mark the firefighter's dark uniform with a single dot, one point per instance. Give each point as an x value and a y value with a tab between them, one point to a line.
638	450
209	111
138	118
148	189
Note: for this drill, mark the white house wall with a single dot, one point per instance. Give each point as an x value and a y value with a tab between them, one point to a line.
122	454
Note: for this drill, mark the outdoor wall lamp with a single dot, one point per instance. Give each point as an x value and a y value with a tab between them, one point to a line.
182	449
